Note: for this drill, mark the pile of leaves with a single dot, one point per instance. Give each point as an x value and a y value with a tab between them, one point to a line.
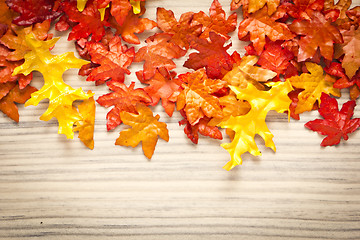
299	53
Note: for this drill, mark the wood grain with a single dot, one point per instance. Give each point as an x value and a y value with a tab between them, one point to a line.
54	188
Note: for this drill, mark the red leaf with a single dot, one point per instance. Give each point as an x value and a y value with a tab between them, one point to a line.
123	99
7	69
336	124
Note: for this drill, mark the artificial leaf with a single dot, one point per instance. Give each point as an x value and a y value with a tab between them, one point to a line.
196	97
5	88
145	128
161	86
245	72
179	29
7	69
80	4
259	25
61	96
351	50
159	52
303	9
316	33
336	124
85	126
15	38
255	5
6	14
123	99
7	103
119	9
341	6
313	83
247	126
202	127
113	62
131	25
212	55
33	11
136	6
89	21
215	22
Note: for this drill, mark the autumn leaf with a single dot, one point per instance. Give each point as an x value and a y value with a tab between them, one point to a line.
113	63
158	53
336	124
7	69
7	103
259	25
196	97
317	33
6	14
14	39
33	11
255	5
247	126
145	128
131	25
246	72
89	21
85	125
342	6
313	83
202	127
179	29
61	96
123	98
212	55
119	8
215	22
80	4
302	9
161	86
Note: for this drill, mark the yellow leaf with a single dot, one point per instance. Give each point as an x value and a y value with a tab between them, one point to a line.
313	83
81	5
85	125
136	6
247	126
145	128
61	96
246	73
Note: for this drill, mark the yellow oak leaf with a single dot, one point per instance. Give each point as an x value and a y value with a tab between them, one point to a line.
135	6
61	96
85	126
145	128
81	5
246	72
313	83
247	126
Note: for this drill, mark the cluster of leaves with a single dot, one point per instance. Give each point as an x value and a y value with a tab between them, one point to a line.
299	52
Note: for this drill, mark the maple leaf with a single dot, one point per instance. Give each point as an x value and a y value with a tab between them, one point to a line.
6	14
113	62
342	6
89	21
245	72
33	11
303	9
215	22
212	55
179	29
7	103
336	124
145	128
161	86
15	38
202	127
119	8
61	96
132	24
196	98
247	126
123	99
317	33
85	126
255	5
158	53
259	25
351	49
313	83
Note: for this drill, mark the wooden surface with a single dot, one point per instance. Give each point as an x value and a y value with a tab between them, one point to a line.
54	188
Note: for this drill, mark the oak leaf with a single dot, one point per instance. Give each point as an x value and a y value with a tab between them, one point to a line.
212	55
336	124
159	52
145	128
61	96
247	126
113	63
313	83
196	97
259	25
123	98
